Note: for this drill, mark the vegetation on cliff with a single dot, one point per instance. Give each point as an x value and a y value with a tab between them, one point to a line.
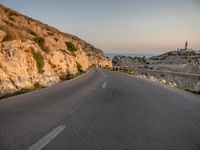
39	60
52	53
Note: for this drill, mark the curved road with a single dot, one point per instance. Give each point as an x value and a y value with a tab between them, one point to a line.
102	110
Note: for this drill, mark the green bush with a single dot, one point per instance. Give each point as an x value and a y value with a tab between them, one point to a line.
79	67
31	32
12	13
22	91
193	91
37	86
69	76
71	47
39	60
40	42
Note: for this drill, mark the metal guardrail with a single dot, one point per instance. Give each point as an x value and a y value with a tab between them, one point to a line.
189	82
143	71
186	75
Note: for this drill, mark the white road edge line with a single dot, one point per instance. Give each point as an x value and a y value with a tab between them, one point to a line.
104	85
46	139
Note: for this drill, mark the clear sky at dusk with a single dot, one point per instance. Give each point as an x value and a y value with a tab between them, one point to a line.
132	26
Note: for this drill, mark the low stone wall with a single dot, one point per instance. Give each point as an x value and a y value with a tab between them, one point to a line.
189	82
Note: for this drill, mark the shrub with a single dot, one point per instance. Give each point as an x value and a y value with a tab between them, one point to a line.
31	32
71	47
40	42
22	91
12	13
39	60
79	67
193	91
37	86
69	76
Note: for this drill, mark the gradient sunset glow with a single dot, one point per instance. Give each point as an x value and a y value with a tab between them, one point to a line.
128	26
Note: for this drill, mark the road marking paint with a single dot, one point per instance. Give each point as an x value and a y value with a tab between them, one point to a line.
104	85
46	139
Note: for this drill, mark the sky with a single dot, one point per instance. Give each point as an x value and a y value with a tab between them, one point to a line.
121	26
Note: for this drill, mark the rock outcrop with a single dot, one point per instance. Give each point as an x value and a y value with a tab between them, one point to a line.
185	67
175	61
33	53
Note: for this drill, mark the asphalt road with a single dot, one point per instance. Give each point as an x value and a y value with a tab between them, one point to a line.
102	110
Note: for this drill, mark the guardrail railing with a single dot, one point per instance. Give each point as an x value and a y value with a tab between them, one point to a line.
186	81
146	71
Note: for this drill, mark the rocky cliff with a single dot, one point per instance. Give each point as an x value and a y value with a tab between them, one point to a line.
184	65
33	53
176	61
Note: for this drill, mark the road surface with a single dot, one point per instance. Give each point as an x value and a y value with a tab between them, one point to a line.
102	110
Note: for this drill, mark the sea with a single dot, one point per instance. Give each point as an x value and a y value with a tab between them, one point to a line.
111	55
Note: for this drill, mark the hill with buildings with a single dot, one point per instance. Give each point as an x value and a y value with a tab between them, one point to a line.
34	54
180	68
182	60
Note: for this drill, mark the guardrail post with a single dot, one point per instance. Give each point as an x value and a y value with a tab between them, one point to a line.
168	77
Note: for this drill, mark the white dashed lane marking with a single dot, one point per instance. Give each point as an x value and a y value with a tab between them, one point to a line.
104	85
46	139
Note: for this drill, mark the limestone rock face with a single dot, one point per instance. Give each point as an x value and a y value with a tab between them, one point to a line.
2	35
188	62
33	53
175	61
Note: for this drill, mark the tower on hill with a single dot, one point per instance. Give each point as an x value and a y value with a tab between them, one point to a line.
186	45
186	49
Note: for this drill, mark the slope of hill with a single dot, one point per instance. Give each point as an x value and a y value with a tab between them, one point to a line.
33	53
184	65
188	62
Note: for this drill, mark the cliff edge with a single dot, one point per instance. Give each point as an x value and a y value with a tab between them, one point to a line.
33	53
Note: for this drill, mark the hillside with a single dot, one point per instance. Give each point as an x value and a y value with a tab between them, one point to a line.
187	62
35	54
